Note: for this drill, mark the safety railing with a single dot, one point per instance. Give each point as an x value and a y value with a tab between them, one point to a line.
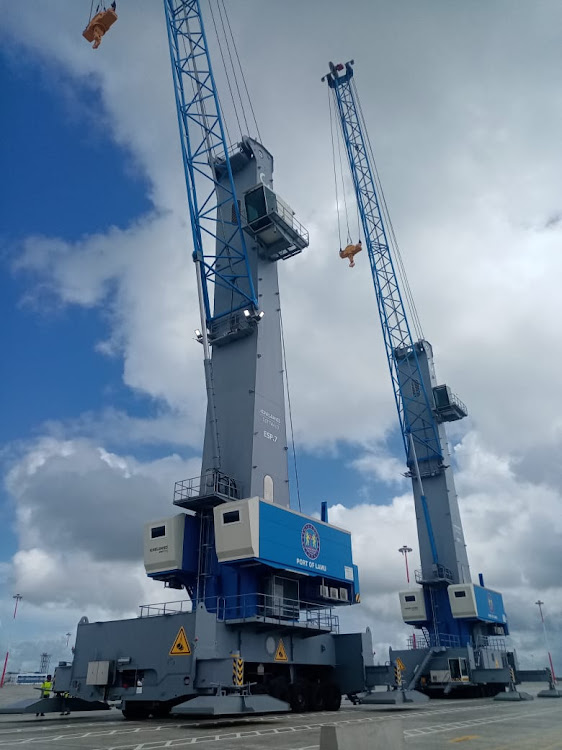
286	215
166	608
439	573
277	609
458	403
491	643
211	483
254	607
430	640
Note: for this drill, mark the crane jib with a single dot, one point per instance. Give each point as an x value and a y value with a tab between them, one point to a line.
221	256
413	403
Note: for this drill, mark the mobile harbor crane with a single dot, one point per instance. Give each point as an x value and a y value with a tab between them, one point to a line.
462	625
259	631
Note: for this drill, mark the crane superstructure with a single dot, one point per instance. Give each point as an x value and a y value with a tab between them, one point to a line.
463	624
258	630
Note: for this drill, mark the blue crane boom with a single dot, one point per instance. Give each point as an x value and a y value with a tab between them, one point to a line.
412	393
396	330
221	256
423	407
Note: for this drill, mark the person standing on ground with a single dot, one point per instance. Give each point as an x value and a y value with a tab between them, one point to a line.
46	687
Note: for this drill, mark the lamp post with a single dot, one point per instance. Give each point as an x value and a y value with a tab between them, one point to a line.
18	598
539	605
67	638
404	550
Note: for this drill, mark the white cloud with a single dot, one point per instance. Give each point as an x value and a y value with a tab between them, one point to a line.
478	237
513	531
377	463
80	512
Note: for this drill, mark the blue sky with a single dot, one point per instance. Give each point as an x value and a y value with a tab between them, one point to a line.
101	380
64	179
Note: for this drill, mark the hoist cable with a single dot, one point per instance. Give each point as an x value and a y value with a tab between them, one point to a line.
334	166
232	68
227	78
392	235
241	71
290	410
349	239
394	241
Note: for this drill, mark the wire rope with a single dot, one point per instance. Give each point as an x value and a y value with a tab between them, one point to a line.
232	68
334	166
392	235
227	77
290	410
241	70
349	239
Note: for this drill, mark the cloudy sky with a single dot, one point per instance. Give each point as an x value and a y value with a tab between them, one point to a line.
102	382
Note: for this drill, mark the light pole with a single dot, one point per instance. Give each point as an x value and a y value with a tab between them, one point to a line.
18	598
539	605
404	550
67	638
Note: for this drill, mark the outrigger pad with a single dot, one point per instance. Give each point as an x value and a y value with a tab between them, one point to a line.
394	697
57	704
551	692
513	695
231	705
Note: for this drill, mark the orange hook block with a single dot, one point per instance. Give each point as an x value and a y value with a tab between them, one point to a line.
350	251
98	26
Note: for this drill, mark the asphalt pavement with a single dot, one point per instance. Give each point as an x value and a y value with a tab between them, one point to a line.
438	724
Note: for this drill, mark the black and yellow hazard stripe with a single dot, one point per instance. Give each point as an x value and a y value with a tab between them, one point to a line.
397	675
237	670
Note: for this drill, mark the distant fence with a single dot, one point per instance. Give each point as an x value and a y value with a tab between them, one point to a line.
534	675
30	679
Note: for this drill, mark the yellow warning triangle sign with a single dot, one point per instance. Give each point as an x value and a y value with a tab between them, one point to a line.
181	645
281	654
400	664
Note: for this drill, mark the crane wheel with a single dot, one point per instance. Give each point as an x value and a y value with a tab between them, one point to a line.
299	696
162	712
332	697
318	697
132	712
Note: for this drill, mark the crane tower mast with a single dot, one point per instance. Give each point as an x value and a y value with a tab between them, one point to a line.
424	406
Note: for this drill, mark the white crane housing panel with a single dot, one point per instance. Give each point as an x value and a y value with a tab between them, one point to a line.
163	544
412	604
237	529
477	602
462	600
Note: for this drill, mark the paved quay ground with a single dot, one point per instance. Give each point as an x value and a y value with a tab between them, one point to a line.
476	724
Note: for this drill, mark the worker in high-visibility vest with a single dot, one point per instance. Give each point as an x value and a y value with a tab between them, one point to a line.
46	687
64	697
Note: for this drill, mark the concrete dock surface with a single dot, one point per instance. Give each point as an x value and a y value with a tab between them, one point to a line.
473	724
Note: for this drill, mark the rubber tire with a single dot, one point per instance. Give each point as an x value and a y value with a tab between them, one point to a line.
332	697
299	696
135	713
162	712
318	697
